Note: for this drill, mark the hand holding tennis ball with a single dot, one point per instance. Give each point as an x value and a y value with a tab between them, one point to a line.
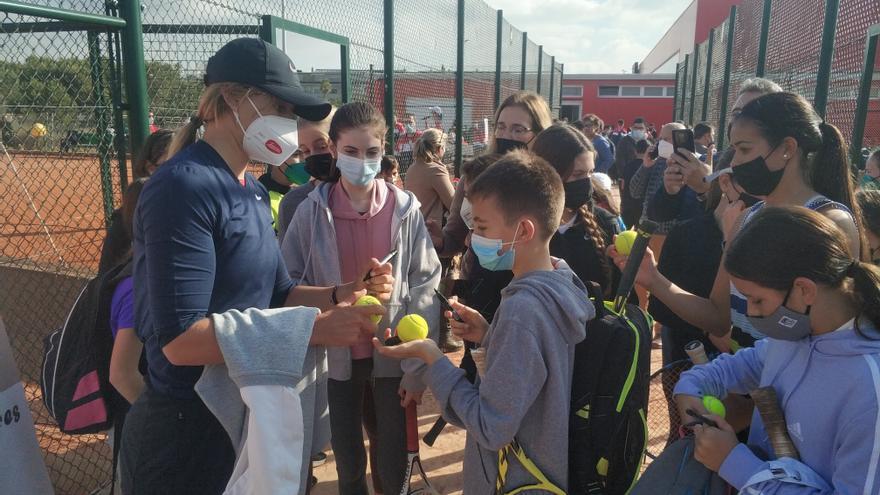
411	327
366	301
714	405
624	241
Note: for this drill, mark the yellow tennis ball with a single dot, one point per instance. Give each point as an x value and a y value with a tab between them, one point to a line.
366	301
412	327
624	241
714	406
38	130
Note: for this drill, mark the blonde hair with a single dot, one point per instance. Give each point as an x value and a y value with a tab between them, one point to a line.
427	147
533	104
212	106
322	126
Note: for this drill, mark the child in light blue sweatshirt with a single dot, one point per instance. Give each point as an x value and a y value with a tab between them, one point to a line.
820	310
524	393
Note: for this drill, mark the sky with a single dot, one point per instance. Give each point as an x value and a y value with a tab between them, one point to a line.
594	36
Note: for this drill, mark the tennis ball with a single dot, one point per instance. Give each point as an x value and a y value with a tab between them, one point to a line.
714	406
412	327
38	130
366	301
624	241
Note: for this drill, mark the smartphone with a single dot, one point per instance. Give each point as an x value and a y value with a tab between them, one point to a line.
700	418
448	306
683	138
655	152
384	260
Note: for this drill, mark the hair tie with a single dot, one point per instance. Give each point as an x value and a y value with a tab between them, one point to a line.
853	267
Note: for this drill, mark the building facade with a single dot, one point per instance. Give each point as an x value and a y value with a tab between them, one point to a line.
618	96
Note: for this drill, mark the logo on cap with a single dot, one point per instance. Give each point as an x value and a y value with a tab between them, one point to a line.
274	147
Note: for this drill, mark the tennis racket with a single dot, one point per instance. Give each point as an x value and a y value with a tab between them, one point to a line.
767	405
413	462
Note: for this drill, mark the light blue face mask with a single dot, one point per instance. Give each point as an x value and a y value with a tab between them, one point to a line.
358	171
487	252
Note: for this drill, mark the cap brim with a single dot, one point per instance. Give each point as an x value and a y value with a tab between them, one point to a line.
304	104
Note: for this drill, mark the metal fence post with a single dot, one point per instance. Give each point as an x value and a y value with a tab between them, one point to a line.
708	77
561	82
858	134
525	49
823	76
725	84
540	67
696	61
684	86
498	37
100	103
552	80
388	52
459	88
765	35
675	93
135	74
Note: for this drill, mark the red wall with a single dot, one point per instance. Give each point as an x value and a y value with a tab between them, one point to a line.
711	13
655	110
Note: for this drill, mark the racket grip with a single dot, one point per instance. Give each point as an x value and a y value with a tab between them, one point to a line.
435	431
767	404
412	428
645	230
696	352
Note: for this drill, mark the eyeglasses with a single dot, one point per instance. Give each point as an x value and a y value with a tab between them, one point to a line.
515	130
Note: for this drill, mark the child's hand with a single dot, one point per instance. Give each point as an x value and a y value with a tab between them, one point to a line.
424	349
407	397
713	445
474	326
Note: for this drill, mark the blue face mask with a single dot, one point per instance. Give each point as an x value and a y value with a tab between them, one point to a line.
487	252
358	171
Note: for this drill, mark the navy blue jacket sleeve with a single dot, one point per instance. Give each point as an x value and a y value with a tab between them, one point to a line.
283	283
178	224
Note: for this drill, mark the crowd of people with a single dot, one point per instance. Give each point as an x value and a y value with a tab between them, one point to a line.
766	253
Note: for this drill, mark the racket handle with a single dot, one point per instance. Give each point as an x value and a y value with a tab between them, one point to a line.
435	431
412	428
697	352
645	229
767	405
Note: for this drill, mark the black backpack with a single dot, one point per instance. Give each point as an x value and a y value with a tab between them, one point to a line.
75	374
609	393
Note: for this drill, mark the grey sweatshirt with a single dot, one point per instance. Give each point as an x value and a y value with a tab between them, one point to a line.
310	253
526	389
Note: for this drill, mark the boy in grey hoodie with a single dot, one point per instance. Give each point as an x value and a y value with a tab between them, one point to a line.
525	392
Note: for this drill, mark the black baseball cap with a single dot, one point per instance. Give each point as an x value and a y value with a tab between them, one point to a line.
253	62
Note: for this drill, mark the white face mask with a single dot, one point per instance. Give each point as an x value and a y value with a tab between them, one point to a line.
637	134
357	171
269	139
466	214
665	149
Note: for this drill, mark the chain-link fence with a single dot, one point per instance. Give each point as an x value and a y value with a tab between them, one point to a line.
824	50
70	125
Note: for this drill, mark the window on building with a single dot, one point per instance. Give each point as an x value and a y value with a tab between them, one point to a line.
653	91
577	91
670	91
609	90
630	91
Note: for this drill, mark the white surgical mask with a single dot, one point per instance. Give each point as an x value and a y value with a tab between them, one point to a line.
357	171
269	138
665	149
466	214
637	134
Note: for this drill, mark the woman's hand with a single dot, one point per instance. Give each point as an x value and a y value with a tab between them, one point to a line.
379	283
647	275
713	445
345	326
474	326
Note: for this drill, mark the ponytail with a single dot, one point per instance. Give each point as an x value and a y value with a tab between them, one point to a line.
427	146
212	106
866	291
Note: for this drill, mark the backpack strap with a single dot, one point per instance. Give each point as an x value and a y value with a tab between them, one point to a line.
515	449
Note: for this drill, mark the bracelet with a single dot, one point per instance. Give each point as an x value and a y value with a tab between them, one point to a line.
333	295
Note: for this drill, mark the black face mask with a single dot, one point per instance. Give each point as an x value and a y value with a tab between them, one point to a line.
503	145
756	178
748	199
578	193
319	166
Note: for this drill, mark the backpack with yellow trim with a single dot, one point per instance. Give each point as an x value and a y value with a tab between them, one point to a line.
609	400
